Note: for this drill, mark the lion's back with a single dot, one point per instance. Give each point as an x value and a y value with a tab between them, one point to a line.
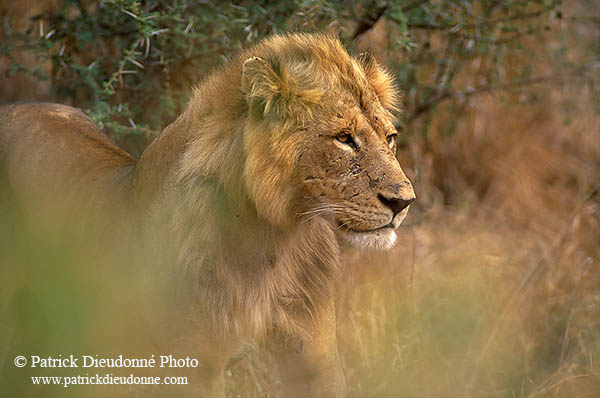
56	150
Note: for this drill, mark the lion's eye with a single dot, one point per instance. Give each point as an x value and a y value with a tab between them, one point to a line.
344	138
391	140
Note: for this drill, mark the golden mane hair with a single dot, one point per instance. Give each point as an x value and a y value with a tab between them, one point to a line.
225	158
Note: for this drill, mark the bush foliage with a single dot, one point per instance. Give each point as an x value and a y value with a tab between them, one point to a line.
130	64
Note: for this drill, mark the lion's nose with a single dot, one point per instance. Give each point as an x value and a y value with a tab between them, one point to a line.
395	203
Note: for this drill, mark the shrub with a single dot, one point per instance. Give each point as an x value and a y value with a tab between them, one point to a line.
130	63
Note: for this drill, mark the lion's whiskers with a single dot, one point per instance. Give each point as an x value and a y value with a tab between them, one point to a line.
324	206
324	209
343	225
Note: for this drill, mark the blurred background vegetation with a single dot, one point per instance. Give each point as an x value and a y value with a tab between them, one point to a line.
494	290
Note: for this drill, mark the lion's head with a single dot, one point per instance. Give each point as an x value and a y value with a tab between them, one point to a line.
320	139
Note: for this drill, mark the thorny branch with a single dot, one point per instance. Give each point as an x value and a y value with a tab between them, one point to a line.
468	92
476	25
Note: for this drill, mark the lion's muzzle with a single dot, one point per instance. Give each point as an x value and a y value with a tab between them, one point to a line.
396	204
397	198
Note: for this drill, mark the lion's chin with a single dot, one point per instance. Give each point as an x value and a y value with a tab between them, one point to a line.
383	239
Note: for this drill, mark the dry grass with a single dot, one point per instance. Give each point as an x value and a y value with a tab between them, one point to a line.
493	291
496	291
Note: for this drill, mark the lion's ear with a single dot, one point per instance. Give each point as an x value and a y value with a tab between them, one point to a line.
381	80
271	88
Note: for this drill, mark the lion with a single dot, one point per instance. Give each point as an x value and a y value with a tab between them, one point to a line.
282	161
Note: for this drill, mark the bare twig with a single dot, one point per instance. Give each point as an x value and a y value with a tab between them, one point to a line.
476	25
590	20
367	22
447	94
558	383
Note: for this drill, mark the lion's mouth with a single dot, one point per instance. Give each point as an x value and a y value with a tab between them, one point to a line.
366	231
392	225
380	238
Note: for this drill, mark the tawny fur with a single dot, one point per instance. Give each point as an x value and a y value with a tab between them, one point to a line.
281	159
233	176
56	151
